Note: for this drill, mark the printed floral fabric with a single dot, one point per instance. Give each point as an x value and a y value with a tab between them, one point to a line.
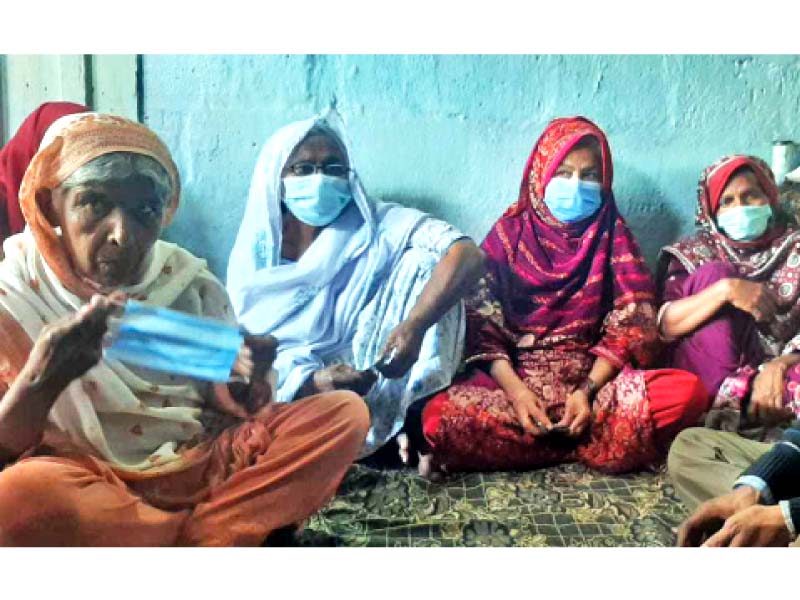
550	283
773	259
473	426
728	412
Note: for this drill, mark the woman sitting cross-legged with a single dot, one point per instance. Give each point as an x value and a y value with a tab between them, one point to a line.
565	312
100	453
363	295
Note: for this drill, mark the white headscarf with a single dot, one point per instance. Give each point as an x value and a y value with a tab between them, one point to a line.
311	306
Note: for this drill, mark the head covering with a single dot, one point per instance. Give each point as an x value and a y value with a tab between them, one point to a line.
312	305
18	152
716	178
552	147
135	420
773	258
557	279
71	142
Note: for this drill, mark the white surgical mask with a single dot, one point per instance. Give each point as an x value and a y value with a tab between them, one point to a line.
572	199
316	199
745	223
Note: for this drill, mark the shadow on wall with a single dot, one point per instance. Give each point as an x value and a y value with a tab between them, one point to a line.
428	204
653	220
651	217
203	237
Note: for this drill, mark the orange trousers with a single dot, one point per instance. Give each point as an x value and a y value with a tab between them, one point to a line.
255	477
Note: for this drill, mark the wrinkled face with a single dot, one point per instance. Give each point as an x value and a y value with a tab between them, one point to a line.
742	190
583	162
109	229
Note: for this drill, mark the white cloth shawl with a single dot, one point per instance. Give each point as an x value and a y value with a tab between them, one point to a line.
310	306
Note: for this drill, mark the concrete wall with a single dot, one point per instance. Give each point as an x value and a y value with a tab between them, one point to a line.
450	134
105	82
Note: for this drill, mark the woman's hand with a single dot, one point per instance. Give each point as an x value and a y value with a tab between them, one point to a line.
64	351
343	377
530	412
402	347
253	364
766	401
68	348
577	413
752	297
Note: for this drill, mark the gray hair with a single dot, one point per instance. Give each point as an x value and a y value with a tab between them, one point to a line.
122	166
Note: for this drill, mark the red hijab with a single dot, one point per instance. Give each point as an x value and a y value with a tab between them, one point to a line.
559	280
773	258
17	154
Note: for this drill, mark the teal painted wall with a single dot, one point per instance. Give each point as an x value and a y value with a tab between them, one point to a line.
451	134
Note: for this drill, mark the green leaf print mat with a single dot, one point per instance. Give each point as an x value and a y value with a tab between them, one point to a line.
568	505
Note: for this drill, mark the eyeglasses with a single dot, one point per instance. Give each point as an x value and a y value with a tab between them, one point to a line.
303	169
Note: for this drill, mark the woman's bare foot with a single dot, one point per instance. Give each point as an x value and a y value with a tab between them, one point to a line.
404	448
428	468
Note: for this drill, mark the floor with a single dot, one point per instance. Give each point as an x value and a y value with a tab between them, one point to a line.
567	505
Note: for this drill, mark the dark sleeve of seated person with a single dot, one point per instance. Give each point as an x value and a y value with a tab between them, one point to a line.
763	509
776	475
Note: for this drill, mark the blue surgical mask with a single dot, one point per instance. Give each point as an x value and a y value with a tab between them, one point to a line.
744	223
173	342
316	199
572	199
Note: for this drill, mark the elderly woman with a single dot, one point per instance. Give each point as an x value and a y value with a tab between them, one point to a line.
730	296
17	154
362	295
564	313
103	453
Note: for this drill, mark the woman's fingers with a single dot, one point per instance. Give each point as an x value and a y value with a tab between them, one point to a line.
568	418
580	423
532	419
540	415
777	402
525	421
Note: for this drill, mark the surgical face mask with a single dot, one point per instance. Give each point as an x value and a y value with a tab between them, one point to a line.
173	342
316	199
573	199
744	223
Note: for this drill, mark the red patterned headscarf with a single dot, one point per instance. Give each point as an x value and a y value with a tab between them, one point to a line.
559	281
557	140
17	154
773	258
713	182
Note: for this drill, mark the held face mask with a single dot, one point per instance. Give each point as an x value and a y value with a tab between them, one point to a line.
573	199
316	199
745	223
174	342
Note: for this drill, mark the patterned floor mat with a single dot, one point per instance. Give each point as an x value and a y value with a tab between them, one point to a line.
566	505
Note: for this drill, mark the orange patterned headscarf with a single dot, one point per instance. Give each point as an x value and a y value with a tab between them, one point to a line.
67	148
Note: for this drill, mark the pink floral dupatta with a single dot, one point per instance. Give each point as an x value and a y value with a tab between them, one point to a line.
583	285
